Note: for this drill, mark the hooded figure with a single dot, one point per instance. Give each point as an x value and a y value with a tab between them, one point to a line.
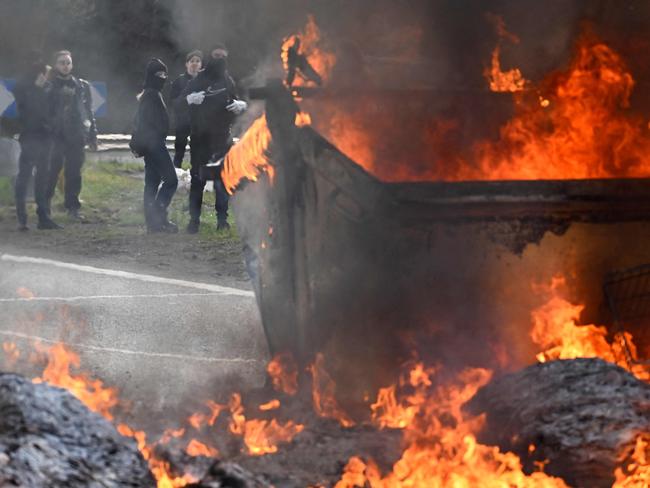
213	105
148	140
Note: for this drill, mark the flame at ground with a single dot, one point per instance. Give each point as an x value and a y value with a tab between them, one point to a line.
637	473
556	331
11	354
283	371
323	388
441	447
260	436
91	392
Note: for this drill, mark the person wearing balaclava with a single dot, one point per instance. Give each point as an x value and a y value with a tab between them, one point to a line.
213	103
148	140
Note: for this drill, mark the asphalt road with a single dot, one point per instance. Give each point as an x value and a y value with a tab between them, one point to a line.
160	341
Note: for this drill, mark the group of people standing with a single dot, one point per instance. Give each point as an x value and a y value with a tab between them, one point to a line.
57	121
205	102
55	109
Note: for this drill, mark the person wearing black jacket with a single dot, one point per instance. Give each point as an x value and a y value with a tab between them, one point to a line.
73	128
148	140
193	62
213	104
31	95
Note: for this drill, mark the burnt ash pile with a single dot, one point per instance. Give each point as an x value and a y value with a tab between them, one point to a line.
582	415
49	439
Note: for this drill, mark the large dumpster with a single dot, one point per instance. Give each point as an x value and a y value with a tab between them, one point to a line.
368	272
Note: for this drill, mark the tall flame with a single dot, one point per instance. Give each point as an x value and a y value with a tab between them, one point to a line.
248	158
441	447
556	331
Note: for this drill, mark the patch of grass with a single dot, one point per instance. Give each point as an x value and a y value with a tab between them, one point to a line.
112	196
6	191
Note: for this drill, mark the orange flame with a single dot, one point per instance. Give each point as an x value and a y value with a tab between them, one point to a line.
260	436
270	405
583	135
196	448
11	354
573	125
441	447
91	392
311	46
160	469
23	292
503	81
637	473
248	158
283	371
323	388
556	331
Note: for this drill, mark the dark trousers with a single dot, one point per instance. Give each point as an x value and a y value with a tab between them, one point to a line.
69	156
201	149
34	155
182	134
158	168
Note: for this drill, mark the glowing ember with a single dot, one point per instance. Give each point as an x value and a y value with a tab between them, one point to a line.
196	448
248	158
302	119
283	372
11	354
91	392
270	405
260	436
323	388
23	292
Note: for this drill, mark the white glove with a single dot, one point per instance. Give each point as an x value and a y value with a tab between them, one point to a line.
237	106
195	98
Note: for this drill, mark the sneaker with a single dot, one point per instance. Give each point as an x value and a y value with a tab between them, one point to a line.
48	224
74	214
223	225
22	227
193	227
169	227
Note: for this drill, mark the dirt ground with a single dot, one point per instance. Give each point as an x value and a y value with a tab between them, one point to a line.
112	233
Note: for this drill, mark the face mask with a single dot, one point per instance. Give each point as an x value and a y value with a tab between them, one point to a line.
216	68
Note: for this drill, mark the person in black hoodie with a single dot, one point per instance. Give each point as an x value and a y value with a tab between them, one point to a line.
193	63
213	103
148	140
73	128
31	95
